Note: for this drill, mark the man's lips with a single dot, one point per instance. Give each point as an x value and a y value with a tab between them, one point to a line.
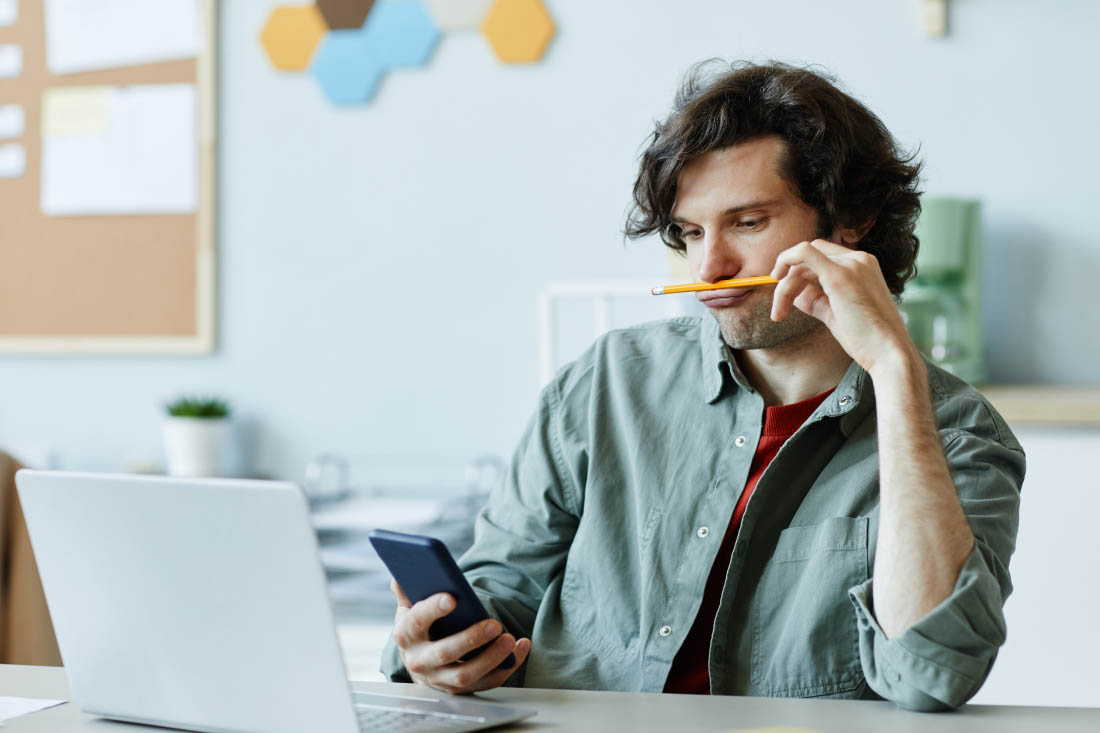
723	298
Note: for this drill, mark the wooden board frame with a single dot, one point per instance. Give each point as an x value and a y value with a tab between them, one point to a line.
203	339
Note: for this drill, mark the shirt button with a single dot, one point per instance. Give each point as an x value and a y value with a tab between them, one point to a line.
845	400
702	532
739	441
665	631
741	550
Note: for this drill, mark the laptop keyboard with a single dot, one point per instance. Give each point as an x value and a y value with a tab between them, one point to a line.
378	718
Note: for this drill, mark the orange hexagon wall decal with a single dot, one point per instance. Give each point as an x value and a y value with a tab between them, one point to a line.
291	34
518	30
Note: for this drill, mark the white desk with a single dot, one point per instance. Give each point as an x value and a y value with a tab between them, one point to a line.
563	710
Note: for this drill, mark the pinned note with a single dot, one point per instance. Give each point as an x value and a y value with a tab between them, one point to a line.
119	150
75	111
84	36
11	120
9	12
13	160
11	60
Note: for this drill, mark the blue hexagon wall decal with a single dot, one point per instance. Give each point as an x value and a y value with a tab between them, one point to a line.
346	67
401	32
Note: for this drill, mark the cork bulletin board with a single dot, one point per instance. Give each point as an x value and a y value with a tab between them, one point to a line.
107	272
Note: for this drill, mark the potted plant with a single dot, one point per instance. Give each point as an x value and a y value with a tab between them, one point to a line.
195	432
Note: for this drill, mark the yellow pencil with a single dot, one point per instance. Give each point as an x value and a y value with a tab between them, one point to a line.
740	282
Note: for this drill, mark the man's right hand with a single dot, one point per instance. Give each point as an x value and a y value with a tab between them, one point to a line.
438	663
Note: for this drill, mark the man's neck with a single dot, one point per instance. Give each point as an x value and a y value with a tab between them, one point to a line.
794	372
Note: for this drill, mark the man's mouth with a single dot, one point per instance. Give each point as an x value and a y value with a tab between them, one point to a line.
723	298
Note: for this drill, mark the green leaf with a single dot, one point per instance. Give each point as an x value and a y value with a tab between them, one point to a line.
195	406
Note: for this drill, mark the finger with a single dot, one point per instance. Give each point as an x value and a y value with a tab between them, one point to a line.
462	677
797	279
498	677
831	249
812	300
422	615
808	255
452	648
402	599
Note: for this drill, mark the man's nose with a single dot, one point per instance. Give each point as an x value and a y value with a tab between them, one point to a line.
719	261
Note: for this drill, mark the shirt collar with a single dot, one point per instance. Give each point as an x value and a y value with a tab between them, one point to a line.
719	363
853	397
715	355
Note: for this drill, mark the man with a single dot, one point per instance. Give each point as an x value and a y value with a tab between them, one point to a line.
784	499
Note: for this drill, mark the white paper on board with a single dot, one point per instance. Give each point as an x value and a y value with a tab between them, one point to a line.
13	160
9	12
12	120
83	35
11	60
119	150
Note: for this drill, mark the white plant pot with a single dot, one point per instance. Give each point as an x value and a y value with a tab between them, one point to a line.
194	446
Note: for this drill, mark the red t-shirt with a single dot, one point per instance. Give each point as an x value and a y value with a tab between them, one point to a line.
689	673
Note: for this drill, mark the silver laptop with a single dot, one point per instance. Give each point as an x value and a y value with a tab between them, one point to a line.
201	604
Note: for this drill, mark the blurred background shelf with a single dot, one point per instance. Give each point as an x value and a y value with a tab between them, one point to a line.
1053	405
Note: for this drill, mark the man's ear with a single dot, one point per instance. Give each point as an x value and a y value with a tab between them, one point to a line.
851	236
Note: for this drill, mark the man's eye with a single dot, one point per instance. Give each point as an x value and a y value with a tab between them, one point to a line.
751	224
691	234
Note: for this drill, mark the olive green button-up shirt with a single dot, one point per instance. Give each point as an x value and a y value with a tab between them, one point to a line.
599	542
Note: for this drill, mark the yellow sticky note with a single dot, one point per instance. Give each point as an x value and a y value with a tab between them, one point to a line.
75	111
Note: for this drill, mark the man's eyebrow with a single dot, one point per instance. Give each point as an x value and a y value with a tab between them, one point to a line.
734	210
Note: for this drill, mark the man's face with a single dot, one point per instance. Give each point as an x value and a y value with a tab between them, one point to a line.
736	213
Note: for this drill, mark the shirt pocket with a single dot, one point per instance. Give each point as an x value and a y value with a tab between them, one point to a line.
804	637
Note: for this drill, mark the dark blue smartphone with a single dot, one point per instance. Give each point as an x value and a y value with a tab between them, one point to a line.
423	566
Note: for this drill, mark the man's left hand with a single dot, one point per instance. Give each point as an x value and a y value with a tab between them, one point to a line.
844	289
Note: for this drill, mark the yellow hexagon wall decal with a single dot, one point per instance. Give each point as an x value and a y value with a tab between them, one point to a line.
518	30
291	34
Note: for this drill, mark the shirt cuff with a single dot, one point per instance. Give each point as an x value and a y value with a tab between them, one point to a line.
392	667
942	660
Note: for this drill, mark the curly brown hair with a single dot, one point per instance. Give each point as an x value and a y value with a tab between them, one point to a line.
840	158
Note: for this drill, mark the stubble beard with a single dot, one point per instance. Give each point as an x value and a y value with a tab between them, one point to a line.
748	325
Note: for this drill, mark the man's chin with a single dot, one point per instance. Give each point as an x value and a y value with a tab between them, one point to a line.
755	329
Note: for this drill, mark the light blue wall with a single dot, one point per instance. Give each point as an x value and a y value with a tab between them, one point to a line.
480	182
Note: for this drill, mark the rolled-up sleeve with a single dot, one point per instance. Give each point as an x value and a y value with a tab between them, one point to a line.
939	662
942	660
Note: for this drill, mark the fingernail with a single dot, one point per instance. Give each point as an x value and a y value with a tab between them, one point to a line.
492	629
446	604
